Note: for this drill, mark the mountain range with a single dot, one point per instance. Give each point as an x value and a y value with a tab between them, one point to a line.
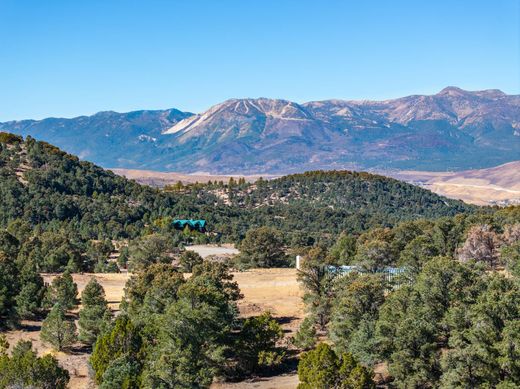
451	130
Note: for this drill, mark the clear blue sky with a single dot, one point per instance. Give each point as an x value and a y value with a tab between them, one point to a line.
67	58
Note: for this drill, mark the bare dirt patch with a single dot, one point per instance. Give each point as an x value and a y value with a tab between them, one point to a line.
205	250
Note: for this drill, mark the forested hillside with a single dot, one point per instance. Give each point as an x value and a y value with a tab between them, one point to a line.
448	319
349	200
46	187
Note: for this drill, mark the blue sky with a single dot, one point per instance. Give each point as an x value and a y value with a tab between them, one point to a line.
68	58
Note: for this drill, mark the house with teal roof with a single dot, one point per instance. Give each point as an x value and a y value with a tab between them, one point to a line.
193	224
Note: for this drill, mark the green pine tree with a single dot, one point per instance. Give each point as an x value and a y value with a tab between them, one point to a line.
57	330
188	260
305	338
95	315
63	291
30	298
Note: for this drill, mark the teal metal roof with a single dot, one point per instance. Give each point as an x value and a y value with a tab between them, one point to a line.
195	224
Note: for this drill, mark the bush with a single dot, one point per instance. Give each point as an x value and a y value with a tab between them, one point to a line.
188	260
305	338
257	344
8	138
322	368
24	369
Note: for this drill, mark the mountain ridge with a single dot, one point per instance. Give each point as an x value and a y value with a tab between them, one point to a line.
451	130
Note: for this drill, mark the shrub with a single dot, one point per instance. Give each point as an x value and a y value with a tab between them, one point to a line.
24	369
257	344
188	260
305	338
322	368
8	138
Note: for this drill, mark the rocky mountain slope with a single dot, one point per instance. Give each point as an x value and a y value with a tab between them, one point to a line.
451	130
107	138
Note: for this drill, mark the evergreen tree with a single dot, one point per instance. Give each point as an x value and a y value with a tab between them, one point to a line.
123	372
94	316
416	253
318	285
9	245
57	329
188	260
509	351
122	344
151	290
154	248
195	331
30	298
24	369
511	256
374	255
263	247
354	313
344	250
63	291
305	338
122	260
9	288
322	368
256	346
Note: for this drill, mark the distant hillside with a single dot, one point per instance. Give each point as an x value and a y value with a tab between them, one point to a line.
48	188
498	185
451	130
344	199
161	179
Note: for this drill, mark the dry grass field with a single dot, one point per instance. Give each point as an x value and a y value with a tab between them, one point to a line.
276	290
498	185
161	179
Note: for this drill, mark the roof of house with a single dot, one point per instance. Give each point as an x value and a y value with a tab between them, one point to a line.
199	223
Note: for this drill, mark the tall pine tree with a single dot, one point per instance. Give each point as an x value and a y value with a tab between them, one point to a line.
95	315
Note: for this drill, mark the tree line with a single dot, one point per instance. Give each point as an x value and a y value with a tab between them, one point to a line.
51	191
452	321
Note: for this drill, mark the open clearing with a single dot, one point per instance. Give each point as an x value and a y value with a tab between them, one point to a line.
276	290
205	250
161	179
